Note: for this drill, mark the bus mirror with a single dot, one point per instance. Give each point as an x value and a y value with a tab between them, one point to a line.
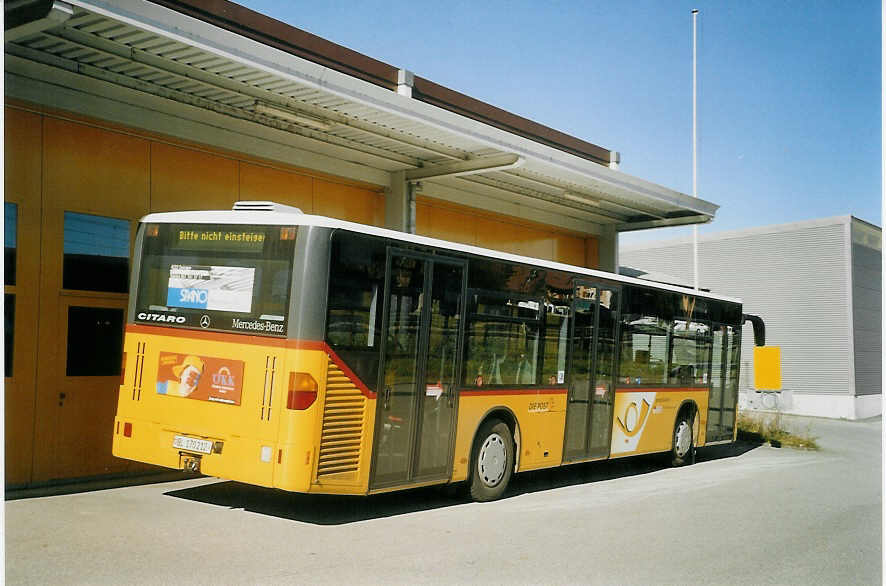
759	328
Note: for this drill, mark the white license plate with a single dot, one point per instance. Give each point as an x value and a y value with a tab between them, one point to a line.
192	444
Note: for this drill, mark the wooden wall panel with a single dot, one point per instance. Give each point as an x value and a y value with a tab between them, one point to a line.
259	182
185	179
538	243
424	220
22	186
94	171
592	252
22	154
457	223
348	203
499	235
569	249
55	165
445	224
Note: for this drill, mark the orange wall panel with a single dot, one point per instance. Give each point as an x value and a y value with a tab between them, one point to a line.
96	171
258	182
185	179
537	243
58	164
348	203
569	249
445	224
498	236
424	215
592	252
22	184
458	223
22	154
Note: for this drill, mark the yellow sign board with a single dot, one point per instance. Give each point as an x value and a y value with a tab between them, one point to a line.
767	368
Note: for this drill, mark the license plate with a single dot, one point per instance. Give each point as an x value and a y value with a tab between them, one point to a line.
192	444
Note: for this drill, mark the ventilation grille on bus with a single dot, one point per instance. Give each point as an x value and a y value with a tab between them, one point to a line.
342	433
139	368
264	206
267	394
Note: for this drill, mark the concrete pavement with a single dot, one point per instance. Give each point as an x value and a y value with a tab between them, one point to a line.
741	515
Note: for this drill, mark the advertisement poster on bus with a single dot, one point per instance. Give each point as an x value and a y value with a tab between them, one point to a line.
211	287
218	380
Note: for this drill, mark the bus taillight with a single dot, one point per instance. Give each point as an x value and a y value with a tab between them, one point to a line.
302	391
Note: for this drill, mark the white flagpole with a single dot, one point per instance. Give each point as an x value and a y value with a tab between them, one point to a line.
694	142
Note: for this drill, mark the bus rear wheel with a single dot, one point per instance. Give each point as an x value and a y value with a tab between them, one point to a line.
492	461
683	449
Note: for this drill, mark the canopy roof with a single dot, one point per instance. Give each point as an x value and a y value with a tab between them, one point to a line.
217	61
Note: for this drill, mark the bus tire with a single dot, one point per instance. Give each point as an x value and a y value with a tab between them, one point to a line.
683	447
492	461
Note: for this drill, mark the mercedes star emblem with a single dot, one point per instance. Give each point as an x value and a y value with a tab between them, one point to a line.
204	321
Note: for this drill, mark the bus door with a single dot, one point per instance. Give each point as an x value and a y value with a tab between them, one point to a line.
724	384
591	385
420	351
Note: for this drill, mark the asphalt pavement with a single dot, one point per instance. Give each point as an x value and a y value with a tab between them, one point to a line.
742	514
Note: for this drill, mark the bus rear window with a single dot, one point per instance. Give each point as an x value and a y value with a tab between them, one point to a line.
217	277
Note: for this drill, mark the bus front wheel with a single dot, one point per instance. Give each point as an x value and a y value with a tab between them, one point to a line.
683	449
492	461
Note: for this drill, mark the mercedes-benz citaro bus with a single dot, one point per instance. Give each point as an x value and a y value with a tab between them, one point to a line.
309	354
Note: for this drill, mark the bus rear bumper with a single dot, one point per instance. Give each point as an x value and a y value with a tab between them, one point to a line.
250	460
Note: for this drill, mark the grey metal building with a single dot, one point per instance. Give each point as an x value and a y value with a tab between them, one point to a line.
817	285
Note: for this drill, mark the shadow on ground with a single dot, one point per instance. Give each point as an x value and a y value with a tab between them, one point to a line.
92	484
338	510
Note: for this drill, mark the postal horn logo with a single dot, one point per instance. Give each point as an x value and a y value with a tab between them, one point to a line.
634	418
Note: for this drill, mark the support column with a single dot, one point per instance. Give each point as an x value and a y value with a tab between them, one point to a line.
608	249
400	204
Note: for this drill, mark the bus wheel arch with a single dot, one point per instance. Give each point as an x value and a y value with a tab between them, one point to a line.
684	438
494	454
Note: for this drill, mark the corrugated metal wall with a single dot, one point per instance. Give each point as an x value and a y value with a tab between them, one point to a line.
796	277
867	273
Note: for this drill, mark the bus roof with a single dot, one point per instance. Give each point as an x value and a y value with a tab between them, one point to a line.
296	218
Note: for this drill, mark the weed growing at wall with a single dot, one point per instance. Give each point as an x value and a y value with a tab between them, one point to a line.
771	428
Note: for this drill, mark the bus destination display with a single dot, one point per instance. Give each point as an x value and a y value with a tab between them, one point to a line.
224	240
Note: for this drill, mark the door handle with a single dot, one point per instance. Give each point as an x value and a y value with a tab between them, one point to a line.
61	399
387	399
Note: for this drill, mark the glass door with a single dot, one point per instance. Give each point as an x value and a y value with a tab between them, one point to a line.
724	384
603	398
591	389
414	422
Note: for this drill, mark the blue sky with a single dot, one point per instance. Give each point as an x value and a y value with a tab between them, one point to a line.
789	92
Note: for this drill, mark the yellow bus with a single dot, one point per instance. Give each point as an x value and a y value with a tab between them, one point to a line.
309	354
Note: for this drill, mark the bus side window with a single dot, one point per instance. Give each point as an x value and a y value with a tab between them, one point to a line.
502	341
558	314
355	306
